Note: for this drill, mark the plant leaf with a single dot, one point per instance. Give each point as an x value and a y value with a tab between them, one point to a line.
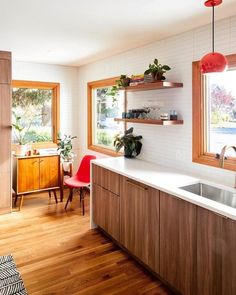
166	68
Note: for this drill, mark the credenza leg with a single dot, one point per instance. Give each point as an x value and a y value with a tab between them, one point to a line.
21	202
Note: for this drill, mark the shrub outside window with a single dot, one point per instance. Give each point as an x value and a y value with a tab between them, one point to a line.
103	107
214	114
35	109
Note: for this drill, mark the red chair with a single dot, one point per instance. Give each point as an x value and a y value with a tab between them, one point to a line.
80	180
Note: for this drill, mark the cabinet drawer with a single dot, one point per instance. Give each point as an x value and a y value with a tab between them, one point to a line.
106	179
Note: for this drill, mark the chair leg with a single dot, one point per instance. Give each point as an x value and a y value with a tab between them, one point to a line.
69	197
82	199
55	196
80	195
71	194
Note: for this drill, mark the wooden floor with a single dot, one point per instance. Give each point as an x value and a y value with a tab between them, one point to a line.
57	253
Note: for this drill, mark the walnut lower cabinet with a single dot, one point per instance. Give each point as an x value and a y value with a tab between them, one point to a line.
178	243
140	221
106	200
216	255
190	248
107	211
31	174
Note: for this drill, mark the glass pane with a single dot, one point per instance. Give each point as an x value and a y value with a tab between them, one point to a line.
31	115
105	108
221	114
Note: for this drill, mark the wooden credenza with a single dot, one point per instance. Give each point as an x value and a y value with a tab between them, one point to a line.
36	173
5	131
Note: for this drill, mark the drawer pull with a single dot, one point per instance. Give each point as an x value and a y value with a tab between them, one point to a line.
137	185
34	162
41	161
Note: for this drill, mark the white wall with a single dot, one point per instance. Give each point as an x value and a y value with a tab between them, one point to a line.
166	145
67	77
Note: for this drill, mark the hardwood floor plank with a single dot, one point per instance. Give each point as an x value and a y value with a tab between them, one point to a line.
57	254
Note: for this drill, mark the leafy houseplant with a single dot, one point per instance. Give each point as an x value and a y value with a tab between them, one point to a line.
122	82
157	70
64	146
131	143
19	129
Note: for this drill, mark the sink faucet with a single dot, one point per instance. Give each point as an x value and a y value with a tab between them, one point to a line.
222	157
222	154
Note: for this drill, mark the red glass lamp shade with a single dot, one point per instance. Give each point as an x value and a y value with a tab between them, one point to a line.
213	62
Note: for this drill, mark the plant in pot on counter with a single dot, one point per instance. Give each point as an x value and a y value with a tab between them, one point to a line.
131	143
157	70
64	146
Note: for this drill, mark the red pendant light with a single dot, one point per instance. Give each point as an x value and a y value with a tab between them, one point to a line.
213	62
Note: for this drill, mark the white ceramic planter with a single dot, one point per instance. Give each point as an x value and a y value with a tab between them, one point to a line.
66	166
21	149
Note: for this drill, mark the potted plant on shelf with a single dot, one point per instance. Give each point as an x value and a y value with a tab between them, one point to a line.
157	70
123	81
131	143
64	146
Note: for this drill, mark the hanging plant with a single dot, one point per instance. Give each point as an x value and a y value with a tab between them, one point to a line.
123	81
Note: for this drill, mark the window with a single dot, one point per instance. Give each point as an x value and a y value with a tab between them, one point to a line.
35	112
103	107
214	114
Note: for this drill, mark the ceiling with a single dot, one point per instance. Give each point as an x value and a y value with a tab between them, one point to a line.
76	32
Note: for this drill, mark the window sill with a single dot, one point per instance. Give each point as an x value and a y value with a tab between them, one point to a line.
104	151
210	160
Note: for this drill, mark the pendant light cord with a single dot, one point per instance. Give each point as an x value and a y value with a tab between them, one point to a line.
213	28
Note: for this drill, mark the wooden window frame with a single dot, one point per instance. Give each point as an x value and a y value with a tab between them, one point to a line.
90	87
55	87
199	154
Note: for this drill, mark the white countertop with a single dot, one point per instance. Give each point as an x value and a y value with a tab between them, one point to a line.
167	180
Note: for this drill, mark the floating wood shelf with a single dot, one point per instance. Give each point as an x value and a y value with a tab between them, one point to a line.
151	121
152	86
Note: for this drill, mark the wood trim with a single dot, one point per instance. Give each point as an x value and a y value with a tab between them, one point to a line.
55	106
199	153
105	151
90	87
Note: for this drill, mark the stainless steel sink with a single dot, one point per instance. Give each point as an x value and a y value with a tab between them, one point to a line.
222	196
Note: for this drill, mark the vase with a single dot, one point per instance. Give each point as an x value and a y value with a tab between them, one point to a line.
21	149
66	165
129	154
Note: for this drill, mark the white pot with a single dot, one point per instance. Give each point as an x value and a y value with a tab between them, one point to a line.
66	166
21	149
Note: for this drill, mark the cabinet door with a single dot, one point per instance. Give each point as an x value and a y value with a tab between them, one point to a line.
106	211
216	255
5	131
28	175
140	221
5	147
178	243
229	257
49	172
